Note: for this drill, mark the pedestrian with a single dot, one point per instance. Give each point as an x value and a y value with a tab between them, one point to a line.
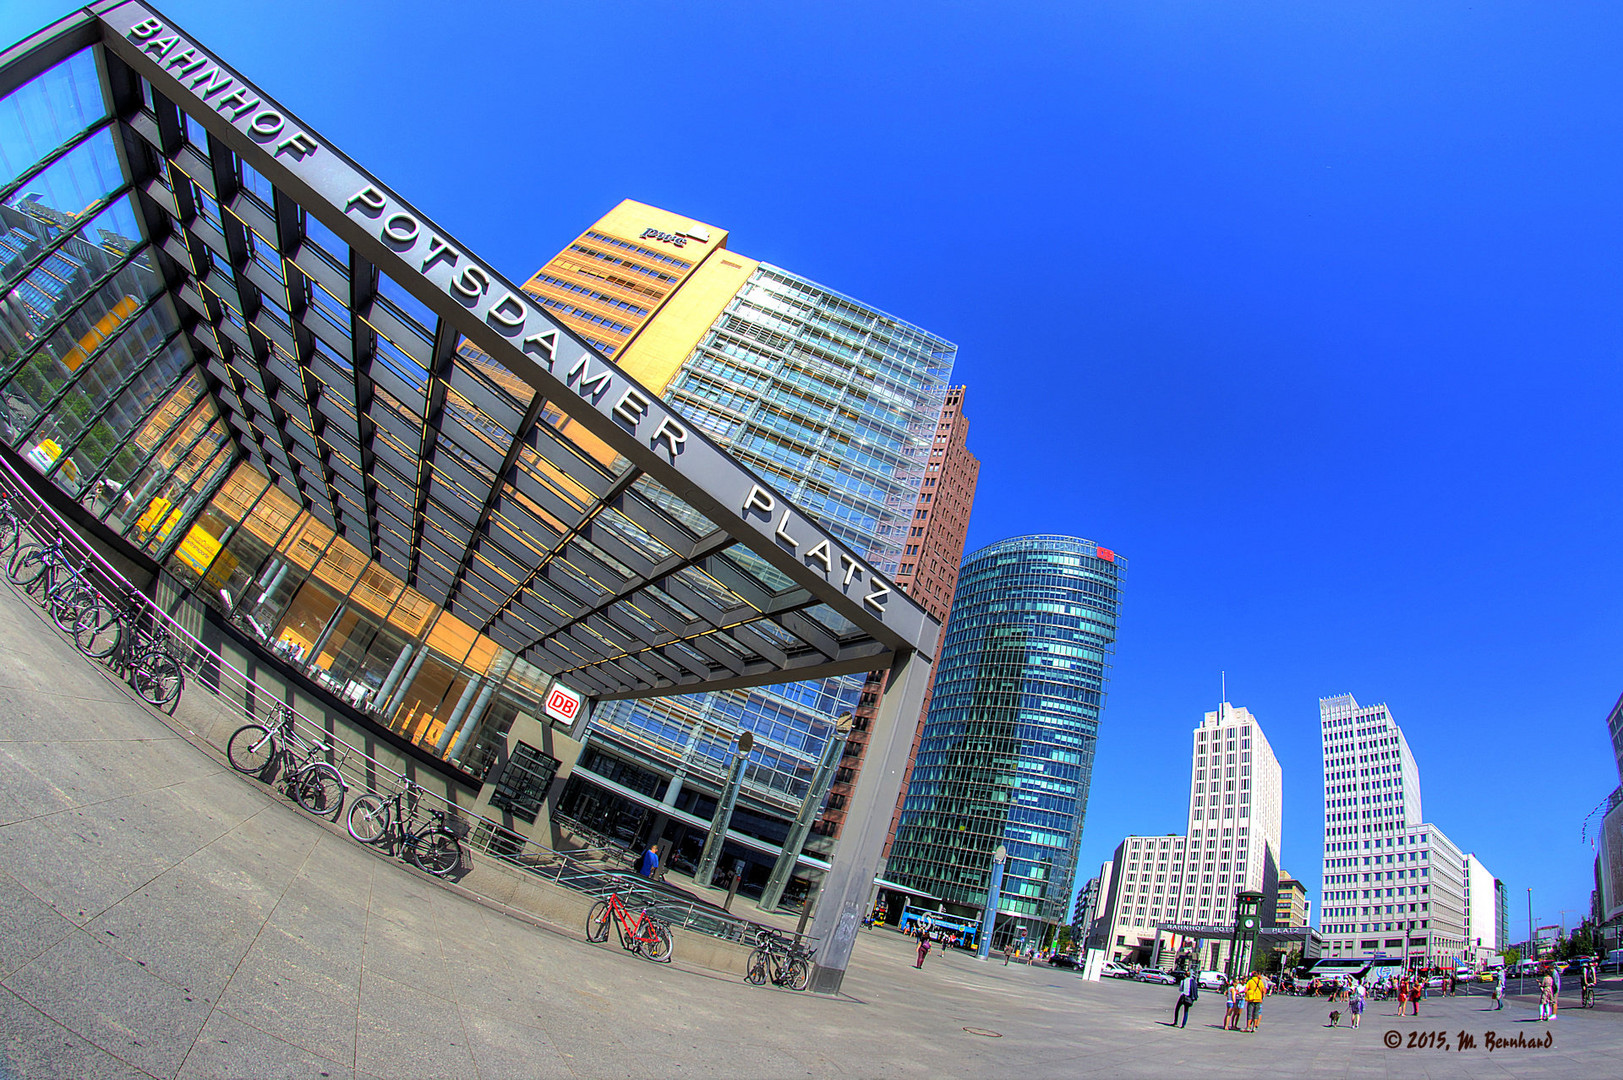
1546	995
649	863
1357	1004
1232	996
1008	950
1555	994
1499	989
1256	988
924	948
1403	992
1589	977
1188	991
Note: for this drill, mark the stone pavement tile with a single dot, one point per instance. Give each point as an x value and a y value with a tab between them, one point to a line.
403	1032
85	860
28	926
113	1002
185	928
34	1045
301	1004
48	667
228	1049
408	955
263	851
504	1049
337	867
307	921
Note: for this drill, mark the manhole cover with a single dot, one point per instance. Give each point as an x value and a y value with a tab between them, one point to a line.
983	1031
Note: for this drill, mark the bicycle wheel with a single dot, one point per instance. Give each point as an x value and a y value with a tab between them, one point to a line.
99	630
369	818
66	602
755	969
436	852
157	677
10	533
798	975
26	566
597	922
659	948
251	749
319	789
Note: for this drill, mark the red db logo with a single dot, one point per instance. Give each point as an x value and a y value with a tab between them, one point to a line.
562	704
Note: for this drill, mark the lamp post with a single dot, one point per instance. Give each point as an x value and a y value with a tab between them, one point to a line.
989	917
784	868
724	813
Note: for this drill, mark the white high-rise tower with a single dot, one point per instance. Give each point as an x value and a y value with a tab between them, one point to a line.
1232	845
1392	883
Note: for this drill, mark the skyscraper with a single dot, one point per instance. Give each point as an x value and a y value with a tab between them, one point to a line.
1006	755
1393	883
843	408
1482	900
1232	844
931	556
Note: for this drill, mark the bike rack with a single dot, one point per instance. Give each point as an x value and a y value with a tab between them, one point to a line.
560	868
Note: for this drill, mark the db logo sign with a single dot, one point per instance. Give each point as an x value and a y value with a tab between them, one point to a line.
563	704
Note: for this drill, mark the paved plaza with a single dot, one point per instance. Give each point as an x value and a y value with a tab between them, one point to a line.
162	916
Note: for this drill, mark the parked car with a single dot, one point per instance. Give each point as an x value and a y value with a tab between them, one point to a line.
1115	969
1214	980
1157	976
1064	960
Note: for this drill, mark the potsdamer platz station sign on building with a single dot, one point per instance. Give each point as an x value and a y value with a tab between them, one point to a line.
261	366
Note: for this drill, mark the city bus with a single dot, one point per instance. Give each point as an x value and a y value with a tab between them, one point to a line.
967	928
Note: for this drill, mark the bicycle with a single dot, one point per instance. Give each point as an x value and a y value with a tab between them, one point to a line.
314	784
436	848
105	631
11	526
641	933
775	957
33	561
69	595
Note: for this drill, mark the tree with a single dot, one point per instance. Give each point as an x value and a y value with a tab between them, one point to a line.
1512	955
1062	943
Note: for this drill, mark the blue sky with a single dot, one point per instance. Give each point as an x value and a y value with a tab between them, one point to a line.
1310	311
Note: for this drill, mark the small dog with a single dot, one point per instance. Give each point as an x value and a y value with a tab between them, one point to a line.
1335	1017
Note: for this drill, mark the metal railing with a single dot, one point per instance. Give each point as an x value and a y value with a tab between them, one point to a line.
225	682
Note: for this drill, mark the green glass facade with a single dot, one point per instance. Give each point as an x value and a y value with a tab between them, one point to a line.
1006	754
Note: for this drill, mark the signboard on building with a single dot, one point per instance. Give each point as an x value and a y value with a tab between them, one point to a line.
562	704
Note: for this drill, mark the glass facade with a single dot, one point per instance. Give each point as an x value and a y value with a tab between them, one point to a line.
1006	755
97	387
836	404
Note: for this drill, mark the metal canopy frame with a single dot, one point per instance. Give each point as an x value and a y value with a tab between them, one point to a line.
439	419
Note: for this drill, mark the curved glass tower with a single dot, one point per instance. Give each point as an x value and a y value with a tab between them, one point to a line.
1006	754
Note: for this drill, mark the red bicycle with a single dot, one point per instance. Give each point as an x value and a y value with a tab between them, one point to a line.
640	932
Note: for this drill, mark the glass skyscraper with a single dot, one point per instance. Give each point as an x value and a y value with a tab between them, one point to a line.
832	401
1006	756
835	403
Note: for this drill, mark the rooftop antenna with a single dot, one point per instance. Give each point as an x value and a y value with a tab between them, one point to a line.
1223	698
